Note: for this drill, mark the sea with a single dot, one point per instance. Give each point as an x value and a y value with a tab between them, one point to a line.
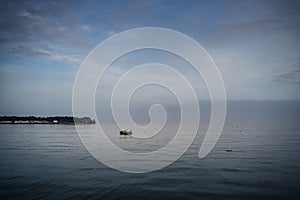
51	162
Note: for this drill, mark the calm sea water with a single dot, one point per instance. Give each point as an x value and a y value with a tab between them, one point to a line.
50	162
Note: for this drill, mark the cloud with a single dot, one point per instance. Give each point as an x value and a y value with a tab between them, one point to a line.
110	32
247	39
291	77
86	27
26	28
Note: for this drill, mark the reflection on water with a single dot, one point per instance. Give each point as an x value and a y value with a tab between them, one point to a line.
49	161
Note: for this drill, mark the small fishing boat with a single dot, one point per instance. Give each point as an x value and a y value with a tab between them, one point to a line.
126	132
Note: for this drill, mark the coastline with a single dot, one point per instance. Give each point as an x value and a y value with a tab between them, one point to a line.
63	120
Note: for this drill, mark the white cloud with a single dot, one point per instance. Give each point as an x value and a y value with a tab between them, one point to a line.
110	32
62	57
86	27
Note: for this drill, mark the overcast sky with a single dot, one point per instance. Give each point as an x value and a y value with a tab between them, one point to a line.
255	44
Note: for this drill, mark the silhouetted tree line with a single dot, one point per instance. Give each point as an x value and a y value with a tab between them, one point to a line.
45	120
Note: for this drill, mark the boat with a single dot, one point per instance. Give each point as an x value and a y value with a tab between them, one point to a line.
126	132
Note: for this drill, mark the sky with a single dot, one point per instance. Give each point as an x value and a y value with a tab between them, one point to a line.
255	45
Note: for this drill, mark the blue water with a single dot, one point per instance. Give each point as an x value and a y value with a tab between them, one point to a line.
50	162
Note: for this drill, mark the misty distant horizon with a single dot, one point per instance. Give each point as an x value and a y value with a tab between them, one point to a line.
237	112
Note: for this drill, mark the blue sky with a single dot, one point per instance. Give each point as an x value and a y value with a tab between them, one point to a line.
255	44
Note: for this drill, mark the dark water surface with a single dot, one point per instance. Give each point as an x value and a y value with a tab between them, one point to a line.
50	162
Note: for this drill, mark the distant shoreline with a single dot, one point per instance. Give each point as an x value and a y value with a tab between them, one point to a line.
66	120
